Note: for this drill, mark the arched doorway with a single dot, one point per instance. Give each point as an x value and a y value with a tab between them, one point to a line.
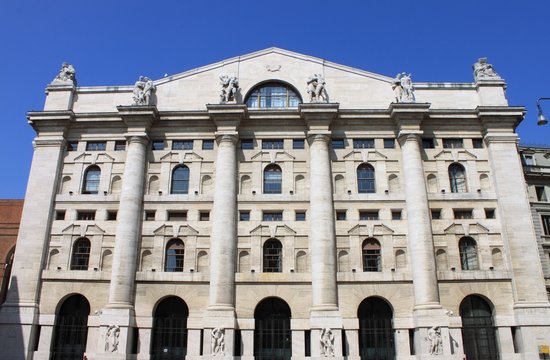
272	336
71	329
478	331
169	338
376	334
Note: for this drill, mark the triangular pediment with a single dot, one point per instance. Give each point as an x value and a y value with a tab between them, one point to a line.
272	230
455	155
175	231
455	228
370	230
365	155
272	156
181	157
93	158
83	230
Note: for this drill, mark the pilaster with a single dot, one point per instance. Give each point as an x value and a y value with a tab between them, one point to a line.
19	314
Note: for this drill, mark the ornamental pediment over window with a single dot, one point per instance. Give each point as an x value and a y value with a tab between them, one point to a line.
175	231
83	230
371	230
272	230
94	158
466	229
181	157
455	155
365	155
272	156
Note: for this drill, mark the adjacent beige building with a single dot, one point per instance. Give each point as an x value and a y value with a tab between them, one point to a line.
276	206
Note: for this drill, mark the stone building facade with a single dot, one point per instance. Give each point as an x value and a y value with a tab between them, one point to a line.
273	206
536	167
10	217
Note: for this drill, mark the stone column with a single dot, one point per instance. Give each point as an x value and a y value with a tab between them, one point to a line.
322	238
223	240
128	231
531	308
120	308
19	314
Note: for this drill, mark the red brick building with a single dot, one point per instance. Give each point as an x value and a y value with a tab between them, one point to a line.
10	217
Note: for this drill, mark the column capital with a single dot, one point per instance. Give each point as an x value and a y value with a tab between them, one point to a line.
319	136
138	138
405	136
227	138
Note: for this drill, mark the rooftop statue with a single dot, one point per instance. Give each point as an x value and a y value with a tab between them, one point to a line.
403	88
484	70
66	76
143	90
230	87
316	88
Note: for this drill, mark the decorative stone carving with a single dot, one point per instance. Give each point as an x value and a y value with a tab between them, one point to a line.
316	88
327	342
434	338
230	87
111	338
403	88
484	70
66	76
143	89
217	342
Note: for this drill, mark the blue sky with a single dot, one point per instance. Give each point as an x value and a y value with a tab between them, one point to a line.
113	42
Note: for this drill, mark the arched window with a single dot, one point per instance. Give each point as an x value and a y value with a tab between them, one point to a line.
153	185
400	259
468	253
376	333
457	177
244	262
169	334
116	185
202	261
81	254
496	256
91	180
365	179
273	180
175	252
272	335
441	260
301	262
71	329
273	95
7	274
478	331
343	261
273	256
180	180
371	255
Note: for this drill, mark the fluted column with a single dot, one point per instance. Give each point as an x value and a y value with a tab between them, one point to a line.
128	229
223	241
419	223
322	239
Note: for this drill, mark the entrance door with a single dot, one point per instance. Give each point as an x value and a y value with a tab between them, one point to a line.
376	335
272	335
71	329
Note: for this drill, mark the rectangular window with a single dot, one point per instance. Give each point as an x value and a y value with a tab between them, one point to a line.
490	213
244	215
60	214
272	144
204	216
428	143
396	214
453	143
462	214
120	145
298	143
546	224
177	215
300	216
529	160
182	145
436	214
157	145
111	215
541	193
247	144
150	215
363	143
272	216
95	146
338	143
208	144
477	143
72	146
368	215
389	143
340	215
85	215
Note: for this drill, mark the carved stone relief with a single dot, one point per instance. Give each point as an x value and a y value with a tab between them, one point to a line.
327	342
